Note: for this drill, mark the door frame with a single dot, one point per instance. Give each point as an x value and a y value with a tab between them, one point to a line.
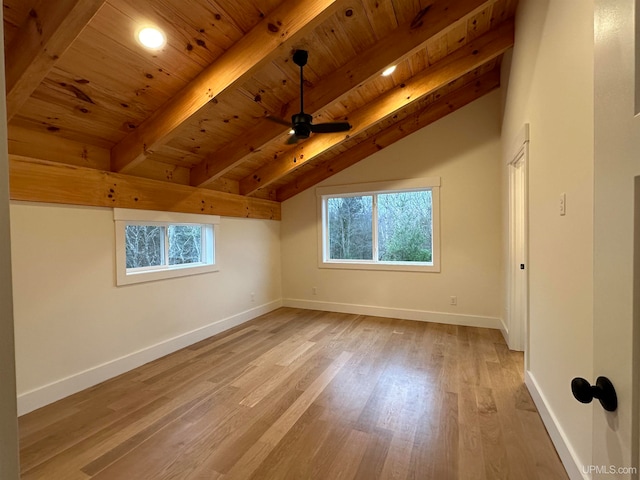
9	453
616	168
635	436
518	231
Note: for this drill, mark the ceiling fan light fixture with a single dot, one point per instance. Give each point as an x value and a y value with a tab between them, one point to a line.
151	37
389	71
302	125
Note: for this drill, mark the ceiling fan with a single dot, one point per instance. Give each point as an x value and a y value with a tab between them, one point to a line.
301	123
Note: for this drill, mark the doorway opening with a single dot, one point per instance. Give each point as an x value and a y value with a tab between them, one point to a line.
518	266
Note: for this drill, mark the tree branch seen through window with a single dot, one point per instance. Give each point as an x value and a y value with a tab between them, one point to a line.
146	245
404	230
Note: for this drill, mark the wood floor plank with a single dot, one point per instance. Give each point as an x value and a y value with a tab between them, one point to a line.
397	460
345	465
304	394
493	442
158	455
257	422
470	458
296	353
547	463
65	433
424	454
375	455
291	458
118	437
133	441
334	443
275	381
252	459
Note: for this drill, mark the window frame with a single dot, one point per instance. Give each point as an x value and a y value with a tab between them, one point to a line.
126	276
375	188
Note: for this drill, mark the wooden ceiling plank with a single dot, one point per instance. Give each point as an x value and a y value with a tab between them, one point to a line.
156	170
442	107
479	24
255	49
355	28
418	62
457	37
452	67
241	14
197	33
14	14
437	49
381	16
405	10
40	181
69	120
400	44
226	185
174	156
49	30
47	146
501	10
37	126
116	103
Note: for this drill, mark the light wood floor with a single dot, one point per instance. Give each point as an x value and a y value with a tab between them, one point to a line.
300	394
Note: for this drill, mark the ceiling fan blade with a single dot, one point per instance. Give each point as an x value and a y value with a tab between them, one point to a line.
278	120
332	127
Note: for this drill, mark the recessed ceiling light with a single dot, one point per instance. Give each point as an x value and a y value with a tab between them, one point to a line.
389	71
151	37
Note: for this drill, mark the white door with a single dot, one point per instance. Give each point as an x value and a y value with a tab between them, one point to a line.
617	163
518	249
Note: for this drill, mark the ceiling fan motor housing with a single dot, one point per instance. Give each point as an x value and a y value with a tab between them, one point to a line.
301	125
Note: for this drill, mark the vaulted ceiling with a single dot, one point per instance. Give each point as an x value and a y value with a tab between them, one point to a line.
96	119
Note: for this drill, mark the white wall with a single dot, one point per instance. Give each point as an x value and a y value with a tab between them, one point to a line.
464	150
550	86
68	308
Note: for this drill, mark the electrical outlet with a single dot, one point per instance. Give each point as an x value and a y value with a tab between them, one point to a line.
253	297
563	204
314	290
453	300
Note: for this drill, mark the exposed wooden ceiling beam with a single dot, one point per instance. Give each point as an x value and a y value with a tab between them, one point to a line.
40	181
435	111
257	48
49	30
400	44
459	63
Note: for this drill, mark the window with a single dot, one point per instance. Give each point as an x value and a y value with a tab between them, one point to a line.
381	226
157	245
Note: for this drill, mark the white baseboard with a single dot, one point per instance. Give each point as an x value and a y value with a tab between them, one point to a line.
404	314
567	454
505	331
62	388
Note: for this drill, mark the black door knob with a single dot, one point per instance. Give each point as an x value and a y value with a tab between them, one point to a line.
603	390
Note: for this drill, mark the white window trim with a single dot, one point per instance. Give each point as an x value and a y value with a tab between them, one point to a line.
322	193
124	216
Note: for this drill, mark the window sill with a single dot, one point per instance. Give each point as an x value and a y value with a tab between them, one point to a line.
163	274
382	266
